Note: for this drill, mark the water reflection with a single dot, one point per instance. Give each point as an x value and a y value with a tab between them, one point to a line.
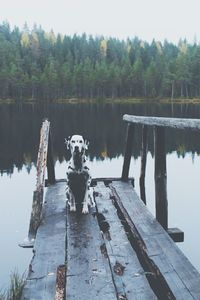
101	124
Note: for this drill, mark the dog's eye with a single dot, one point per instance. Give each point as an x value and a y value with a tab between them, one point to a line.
73	141
80	141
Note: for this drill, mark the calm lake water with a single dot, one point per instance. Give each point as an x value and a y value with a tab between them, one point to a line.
102	125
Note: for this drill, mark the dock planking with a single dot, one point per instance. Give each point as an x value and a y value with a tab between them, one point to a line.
132	282
111	262
88	272
102	265
179	274
49	248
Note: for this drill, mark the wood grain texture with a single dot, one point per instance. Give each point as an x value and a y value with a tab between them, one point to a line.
105	265
50	248
133	283
179	123
182	278
88	271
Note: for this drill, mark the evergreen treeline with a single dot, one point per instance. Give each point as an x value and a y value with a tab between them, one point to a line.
38	65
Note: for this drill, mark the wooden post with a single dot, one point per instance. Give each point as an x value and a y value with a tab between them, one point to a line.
50	161
35	214
143	163
128	152
160	177
40	180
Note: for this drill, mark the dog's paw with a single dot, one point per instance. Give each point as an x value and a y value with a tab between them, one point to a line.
85	210
72	208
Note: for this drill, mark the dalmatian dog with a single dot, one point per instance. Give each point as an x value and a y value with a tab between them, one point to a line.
78	190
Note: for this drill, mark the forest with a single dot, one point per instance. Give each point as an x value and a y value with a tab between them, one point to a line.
43	67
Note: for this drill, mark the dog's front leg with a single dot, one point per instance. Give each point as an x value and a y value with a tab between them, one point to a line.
72	202
85	203
91	201
88	199
71	199
69	193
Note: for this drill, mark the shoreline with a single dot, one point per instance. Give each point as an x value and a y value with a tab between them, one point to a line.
104	101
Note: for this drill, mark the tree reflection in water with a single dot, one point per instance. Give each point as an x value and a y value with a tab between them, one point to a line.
101	124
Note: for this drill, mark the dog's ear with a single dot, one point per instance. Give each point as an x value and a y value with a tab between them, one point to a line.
67	141
86	144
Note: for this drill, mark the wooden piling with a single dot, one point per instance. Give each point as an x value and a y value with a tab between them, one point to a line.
128	152
35	214
160	177
42	162
143	163
42	155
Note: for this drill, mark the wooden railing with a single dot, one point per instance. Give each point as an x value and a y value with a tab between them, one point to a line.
44	160
159	124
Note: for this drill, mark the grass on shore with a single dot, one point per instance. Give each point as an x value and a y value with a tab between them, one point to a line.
15	289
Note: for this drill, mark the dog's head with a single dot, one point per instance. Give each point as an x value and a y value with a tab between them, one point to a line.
76	144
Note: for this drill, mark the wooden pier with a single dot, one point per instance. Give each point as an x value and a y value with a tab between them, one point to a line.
117	251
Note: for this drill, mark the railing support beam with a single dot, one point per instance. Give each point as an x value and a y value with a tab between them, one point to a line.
160	177
143	163
128	152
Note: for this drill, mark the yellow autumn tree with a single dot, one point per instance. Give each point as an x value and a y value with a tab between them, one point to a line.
103	47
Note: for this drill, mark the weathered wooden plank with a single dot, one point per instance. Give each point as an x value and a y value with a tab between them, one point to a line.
176	270
178	123
108	180
182	278
88	272
132	284
50	247
128	151
160	177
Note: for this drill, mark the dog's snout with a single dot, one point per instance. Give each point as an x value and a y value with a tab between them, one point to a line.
76	148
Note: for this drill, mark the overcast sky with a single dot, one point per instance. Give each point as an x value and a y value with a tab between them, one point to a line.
147	19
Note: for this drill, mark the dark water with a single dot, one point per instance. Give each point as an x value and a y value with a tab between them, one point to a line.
102	125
